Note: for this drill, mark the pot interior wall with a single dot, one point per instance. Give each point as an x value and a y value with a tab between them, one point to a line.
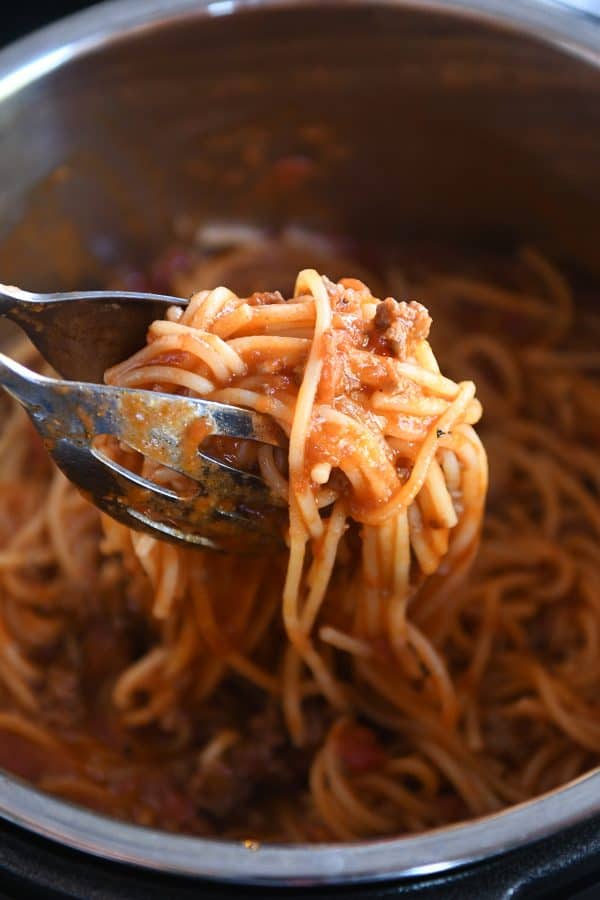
382	122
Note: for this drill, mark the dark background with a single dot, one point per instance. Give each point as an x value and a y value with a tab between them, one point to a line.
24	17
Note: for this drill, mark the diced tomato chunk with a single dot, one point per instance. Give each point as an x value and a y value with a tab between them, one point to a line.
360	750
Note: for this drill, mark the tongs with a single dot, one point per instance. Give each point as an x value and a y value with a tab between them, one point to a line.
81	335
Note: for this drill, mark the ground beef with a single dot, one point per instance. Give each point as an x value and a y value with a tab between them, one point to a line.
263	761
403	325
511	740
264	298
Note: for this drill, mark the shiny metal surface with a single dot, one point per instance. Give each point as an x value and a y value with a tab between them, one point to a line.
425	854
60	326
134	123
141	141
228	509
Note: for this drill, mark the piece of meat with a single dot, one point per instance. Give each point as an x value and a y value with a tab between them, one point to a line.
262	762
264	298
510	739
403	325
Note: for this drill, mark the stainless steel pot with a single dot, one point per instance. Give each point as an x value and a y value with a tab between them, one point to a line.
470	120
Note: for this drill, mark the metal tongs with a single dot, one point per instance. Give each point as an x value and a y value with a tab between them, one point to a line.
81	335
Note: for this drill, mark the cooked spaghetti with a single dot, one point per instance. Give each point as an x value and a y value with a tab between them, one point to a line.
362	682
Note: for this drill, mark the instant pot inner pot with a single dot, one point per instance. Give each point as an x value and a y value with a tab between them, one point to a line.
379	122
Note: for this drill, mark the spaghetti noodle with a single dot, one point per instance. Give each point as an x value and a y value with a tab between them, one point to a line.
359	684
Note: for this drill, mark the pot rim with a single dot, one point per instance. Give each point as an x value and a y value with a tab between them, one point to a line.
249	862
549	21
